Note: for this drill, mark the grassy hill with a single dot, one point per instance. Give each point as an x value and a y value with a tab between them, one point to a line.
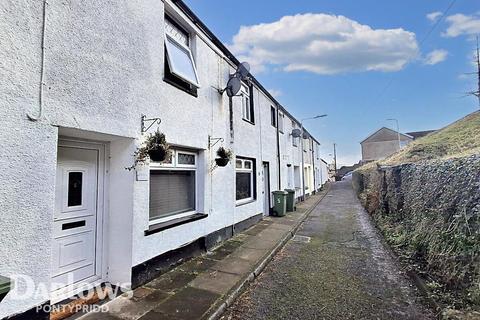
461	138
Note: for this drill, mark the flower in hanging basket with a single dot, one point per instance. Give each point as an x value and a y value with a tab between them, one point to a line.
154	148
224	157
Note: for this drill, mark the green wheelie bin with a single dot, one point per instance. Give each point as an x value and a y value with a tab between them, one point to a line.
280	203
290	200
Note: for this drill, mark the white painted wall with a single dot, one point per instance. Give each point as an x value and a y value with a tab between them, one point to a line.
100	77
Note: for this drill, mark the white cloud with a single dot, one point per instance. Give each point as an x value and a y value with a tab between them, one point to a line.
275	93
433	16
436	56
324	44
460	24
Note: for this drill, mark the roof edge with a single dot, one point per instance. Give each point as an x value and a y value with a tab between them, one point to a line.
212	37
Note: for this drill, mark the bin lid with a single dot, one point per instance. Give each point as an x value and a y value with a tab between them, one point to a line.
290	190
280	192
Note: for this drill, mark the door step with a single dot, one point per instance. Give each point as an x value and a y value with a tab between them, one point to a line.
70	307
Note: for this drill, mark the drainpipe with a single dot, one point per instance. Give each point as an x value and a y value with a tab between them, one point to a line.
278	153
230	107
42	67
313	168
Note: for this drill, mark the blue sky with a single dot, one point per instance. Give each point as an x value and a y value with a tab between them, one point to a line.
360	62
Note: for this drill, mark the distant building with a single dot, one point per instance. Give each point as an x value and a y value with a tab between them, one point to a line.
384	142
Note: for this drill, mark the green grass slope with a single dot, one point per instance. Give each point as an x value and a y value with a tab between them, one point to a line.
461	138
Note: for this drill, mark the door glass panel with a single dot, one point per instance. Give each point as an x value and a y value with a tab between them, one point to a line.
75	181
185	158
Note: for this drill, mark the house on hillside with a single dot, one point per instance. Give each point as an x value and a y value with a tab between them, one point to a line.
82	95
385	141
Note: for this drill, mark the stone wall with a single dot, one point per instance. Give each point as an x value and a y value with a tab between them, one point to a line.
430	213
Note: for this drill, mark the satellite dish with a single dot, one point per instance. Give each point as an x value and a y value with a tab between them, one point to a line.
233	86
243	70
305	135
296	133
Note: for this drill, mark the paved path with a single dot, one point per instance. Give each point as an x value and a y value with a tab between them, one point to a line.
200	287
334	268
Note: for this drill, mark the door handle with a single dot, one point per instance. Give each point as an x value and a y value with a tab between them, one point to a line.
73	225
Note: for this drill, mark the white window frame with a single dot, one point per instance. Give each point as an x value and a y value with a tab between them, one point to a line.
281	122
174	166
275	116
252	180
246	103
174	42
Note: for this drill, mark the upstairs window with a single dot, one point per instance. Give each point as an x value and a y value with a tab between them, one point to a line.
294	140
247	103
273	115
281	118
180	68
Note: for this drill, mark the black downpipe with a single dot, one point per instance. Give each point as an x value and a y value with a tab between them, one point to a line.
230	107
313	168
278	153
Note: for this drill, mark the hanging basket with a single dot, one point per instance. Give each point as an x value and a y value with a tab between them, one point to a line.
222	162
158	154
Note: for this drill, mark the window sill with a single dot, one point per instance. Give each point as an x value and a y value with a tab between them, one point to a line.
242	203
251	122
176	85
159	227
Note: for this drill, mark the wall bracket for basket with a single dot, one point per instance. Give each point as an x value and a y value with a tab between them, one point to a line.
151	122
213	141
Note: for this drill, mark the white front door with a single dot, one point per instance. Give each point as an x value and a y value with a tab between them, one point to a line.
76	235
266	189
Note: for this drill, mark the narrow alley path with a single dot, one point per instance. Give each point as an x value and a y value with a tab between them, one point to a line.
334	268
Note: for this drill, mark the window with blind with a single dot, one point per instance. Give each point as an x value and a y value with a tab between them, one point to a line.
173	186
171	192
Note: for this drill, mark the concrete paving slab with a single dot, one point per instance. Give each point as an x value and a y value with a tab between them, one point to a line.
190	303
235	265
153	315
280	226
215	281
249	254
197	265
132	309
141	292
99	316
257	229
171	281
256	242
286	222
224	250
272	234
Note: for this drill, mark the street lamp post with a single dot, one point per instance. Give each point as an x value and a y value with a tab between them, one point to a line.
303	158
398	132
